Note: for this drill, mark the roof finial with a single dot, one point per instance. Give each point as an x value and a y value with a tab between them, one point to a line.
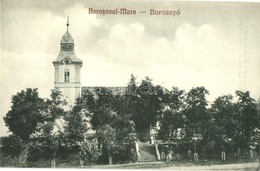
67	23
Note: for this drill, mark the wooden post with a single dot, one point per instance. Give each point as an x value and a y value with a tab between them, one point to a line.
238	151
110	161
196	157
81	163
53	163
223	156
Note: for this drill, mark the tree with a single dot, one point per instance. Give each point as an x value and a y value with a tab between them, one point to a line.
223	111
222	125
172	118
123	127
196	111
196	116
110	113
247	116
103	116
101	106
56	105
26	112
146	104
49	135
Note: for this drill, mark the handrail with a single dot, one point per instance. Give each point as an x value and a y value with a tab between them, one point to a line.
156	150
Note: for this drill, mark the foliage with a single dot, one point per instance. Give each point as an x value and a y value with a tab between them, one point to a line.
222	124
77	124
123	153
123	127
45	129
22	159
90	150
103	116
11	146
26	112
247	117
8	161
107	135
49	135
172	119
196	111
111	120
147	105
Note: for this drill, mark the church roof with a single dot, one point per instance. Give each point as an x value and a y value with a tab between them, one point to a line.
67	38
104	90
116	90
67	50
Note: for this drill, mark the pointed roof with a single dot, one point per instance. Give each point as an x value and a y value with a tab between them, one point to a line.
67	49
67	38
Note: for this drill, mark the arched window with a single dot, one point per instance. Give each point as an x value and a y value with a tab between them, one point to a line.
67	75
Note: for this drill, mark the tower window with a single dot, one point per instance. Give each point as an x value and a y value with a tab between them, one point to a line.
67	61
67	76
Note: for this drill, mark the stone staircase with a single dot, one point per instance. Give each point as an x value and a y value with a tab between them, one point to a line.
147	152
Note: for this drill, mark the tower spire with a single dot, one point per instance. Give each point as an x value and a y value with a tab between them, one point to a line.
67	23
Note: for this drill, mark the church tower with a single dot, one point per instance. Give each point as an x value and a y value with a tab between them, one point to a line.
67	69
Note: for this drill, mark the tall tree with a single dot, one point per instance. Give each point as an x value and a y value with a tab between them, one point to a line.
147	104
222	124
110	119
223	111
101	106
172	119
26	112
196	111
247	115
49	134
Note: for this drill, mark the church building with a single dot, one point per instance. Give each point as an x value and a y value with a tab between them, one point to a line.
67	72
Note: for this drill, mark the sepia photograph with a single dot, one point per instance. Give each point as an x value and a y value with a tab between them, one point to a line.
127	84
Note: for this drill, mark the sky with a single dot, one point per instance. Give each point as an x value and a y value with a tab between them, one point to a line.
210	44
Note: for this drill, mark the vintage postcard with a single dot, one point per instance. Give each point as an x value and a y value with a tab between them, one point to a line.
130	84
